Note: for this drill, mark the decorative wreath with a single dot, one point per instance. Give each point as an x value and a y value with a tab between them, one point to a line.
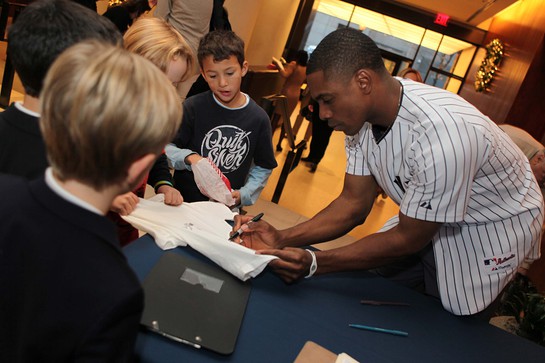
489	65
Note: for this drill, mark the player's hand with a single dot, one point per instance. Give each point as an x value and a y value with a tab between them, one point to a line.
256	235
124	204
172	195
292	263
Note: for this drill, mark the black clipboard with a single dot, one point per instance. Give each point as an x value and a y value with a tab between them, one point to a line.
194	302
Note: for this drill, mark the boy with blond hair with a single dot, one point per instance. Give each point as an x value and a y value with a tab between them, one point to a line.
68	292
158	42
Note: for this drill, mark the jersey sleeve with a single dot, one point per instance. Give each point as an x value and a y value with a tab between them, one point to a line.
444	159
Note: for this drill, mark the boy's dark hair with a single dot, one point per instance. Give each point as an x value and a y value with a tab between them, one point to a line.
344	52
44	29
221	44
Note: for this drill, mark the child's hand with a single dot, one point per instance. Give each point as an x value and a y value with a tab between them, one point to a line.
236	196
193	159
124	204
172	195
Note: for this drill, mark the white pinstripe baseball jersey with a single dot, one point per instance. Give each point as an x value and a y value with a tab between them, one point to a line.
444	161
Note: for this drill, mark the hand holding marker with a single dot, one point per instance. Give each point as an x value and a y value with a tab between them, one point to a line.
240	231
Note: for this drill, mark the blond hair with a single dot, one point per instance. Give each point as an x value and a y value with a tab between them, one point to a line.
159	42
102	108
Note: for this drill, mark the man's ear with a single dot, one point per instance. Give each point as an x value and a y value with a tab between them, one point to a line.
138	169
364	80
244	68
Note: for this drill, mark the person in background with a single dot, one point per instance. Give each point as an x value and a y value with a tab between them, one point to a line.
35	41
470	210
191	18
321	133
224	125
124	14
220	17
294	74
411	73
532	149
68	293
161	44
152	4
219	21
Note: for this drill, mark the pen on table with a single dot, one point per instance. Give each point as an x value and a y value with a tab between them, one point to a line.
378	303
239	231
380	330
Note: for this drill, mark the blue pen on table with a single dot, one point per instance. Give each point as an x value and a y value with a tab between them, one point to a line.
380	330
239	231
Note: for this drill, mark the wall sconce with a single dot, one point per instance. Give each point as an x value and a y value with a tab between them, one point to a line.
489	65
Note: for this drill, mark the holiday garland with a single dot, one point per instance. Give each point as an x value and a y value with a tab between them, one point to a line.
489	65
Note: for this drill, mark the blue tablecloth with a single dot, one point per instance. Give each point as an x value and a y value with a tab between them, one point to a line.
280	318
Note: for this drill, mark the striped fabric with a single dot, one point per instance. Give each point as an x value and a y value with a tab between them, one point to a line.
444	161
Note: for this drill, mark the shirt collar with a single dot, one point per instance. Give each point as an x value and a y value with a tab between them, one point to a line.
63	193
233	108
22	108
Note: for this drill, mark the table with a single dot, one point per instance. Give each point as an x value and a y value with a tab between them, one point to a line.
280	318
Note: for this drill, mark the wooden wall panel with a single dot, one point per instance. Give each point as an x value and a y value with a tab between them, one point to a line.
528	110
522	28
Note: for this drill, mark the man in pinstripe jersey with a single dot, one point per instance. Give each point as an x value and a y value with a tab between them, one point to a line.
470	208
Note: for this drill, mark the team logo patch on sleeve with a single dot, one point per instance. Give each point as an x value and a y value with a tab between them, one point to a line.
426	205
500	263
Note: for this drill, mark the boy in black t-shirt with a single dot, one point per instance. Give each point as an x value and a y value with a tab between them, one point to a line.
224	125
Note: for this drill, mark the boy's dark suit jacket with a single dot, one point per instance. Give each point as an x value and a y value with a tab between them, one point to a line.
66	291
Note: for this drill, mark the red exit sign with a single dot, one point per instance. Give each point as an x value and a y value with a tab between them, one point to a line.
441	19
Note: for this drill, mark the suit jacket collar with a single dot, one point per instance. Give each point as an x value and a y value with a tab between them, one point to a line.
90	222
22	120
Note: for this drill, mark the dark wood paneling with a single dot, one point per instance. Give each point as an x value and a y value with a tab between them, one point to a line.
522	29
528	109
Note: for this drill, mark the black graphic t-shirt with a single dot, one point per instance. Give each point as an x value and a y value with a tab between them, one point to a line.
231	138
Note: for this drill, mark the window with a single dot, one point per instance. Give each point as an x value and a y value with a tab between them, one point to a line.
442	60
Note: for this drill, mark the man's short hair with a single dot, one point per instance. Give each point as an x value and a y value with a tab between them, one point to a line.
343	52
47	27
221	44
102	108
157	41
